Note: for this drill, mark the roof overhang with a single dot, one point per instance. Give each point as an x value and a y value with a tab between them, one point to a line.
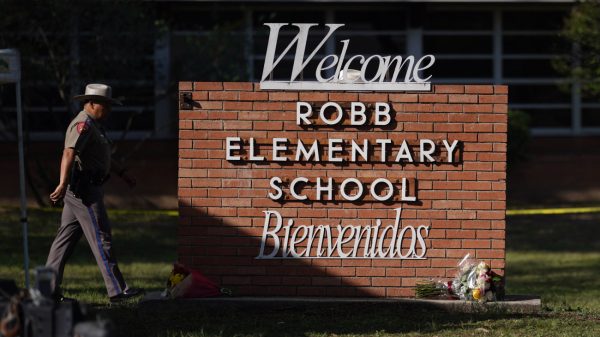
475	2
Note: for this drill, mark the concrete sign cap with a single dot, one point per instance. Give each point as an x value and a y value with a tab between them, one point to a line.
350	75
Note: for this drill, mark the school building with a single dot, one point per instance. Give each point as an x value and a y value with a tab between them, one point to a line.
513	43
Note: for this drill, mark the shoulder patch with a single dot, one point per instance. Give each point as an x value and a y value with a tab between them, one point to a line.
82	127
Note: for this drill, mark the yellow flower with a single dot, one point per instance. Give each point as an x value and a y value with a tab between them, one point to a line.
477	294
175	279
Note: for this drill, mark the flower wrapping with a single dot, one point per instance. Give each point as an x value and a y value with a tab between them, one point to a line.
185	282
474	281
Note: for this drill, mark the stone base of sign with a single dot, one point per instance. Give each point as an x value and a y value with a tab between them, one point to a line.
525	304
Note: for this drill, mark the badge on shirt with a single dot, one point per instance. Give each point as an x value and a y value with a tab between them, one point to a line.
82	127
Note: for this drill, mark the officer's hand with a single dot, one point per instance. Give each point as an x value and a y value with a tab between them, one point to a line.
58	193
131	182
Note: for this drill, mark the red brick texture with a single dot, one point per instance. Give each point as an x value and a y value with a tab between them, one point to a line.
221	202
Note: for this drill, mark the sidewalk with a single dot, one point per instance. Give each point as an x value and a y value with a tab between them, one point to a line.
524	304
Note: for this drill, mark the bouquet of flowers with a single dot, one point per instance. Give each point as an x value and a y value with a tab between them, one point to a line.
173	287
434	289
474	281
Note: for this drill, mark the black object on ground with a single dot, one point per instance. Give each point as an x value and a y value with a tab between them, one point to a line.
128	294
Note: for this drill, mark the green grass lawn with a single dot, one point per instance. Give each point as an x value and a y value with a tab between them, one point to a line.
555	256
143	242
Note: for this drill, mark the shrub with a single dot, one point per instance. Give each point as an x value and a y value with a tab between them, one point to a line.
518	135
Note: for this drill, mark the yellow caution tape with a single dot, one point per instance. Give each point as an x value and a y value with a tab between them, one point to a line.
549	211
510	212
123	211
141	211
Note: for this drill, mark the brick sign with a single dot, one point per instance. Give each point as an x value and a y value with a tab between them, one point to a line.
312	193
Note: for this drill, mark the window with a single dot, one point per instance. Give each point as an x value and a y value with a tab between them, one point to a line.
530	42
462	42
495	43
70	47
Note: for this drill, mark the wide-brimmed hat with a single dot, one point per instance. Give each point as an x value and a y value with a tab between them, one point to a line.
97	91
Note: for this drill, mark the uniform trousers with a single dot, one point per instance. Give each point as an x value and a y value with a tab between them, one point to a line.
87	217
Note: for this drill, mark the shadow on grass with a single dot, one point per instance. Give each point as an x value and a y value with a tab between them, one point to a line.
570	232
550	255
556	257
181	318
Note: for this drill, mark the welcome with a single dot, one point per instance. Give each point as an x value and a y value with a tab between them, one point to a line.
389	68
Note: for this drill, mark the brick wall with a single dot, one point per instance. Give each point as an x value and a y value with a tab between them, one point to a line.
222	202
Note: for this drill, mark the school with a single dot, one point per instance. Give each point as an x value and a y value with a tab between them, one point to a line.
273	195
512	43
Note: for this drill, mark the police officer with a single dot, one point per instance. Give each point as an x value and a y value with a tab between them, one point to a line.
85	166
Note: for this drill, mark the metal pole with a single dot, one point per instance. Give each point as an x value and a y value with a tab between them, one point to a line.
22	184
497	23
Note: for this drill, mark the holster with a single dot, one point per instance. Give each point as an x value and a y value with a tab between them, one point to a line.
82	182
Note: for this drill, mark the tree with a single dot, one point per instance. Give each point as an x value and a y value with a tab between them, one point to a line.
582	29
65	44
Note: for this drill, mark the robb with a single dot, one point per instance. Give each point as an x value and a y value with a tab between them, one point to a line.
388	69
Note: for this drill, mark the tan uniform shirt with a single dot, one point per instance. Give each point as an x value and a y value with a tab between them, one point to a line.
92	147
